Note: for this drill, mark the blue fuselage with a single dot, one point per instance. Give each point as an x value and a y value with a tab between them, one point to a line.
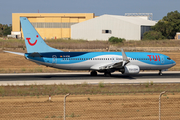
85	60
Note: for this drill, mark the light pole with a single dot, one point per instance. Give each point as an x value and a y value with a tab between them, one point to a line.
160	104
65	105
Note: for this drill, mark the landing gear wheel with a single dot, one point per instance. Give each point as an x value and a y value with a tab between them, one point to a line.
107	74
93	73
160	72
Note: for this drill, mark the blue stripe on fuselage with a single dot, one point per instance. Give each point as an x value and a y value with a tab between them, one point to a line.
156	58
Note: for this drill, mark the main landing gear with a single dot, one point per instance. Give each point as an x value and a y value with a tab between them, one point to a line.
160	72
107	74
93	73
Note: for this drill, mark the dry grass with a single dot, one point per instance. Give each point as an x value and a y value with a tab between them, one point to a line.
84	88
152	43
18	64
78	44
84	44
59	44
97	107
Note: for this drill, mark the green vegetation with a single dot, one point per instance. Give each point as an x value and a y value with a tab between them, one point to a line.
101	84
169	25
5	30
72	115
165	28
153	35
89	99
116	40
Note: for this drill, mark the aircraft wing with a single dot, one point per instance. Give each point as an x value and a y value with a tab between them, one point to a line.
117	65
105	66
17	53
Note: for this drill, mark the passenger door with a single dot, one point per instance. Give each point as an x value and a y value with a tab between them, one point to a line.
54	59
162	59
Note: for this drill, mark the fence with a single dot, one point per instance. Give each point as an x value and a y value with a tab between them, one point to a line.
122	106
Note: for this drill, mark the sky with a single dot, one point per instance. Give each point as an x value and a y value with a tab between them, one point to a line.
159	8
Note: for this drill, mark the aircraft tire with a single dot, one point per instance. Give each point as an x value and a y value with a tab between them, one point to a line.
107	74
93	73
160	72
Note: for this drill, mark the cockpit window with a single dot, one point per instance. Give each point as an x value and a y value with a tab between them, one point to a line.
169	58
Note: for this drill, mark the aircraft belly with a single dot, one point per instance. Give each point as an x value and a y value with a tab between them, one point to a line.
145	66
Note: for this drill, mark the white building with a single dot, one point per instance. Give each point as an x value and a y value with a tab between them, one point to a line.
105	26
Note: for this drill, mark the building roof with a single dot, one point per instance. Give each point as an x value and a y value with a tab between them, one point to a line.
134	20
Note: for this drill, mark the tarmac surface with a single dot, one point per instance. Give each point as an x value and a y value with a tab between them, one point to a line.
85	77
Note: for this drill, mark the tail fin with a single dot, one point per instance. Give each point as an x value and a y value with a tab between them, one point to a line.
34	42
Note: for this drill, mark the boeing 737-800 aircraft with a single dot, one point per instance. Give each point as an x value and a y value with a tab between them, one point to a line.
107	62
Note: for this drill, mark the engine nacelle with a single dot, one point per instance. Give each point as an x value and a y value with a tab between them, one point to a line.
131	69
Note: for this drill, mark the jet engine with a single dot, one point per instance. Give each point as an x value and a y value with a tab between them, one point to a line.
130	69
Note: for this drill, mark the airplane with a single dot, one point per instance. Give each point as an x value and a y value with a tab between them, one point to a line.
104	62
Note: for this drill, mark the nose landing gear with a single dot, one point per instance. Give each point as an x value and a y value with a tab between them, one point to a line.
107	74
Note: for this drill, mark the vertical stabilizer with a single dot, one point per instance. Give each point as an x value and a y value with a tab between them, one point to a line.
33	41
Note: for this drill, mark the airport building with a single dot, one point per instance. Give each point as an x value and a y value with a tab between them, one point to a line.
105	26
49	25
83	26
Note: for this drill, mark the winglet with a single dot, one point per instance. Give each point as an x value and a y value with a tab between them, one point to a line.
125	59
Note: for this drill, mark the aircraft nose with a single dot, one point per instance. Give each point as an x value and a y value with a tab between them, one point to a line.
173	62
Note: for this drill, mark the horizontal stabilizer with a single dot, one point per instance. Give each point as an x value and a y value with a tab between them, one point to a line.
17	53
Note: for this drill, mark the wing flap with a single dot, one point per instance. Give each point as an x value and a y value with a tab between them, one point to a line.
105	66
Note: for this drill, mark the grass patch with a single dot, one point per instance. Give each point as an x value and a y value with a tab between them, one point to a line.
23	69
151	82
109	89
101	84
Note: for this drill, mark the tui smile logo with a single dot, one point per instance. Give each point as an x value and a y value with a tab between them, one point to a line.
32	44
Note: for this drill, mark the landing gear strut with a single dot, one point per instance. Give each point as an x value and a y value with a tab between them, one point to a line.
107	74
160	72
93	73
